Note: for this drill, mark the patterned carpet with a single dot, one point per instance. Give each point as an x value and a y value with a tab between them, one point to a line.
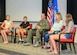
19	49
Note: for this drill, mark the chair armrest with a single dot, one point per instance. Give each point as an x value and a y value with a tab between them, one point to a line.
64	33
15	29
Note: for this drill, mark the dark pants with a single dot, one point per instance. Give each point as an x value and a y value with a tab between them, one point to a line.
46	37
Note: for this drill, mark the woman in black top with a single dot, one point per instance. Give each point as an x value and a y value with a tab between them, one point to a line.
22	28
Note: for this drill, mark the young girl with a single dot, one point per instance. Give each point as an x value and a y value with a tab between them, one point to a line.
6	27
69	28
55	28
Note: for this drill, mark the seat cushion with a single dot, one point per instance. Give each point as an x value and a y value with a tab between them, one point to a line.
25	33
66	40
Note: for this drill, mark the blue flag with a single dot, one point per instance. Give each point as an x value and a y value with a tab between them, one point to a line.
52	8
56	6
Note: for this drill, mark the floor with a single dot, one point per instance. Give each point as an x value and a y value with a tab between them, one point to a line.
19	49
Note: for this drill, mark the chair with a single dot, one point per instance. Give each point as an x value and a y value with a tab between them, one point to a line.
70	40
25	33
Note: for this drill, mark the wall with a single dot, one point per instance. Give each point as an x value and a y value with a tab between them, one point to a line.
19	8
62	6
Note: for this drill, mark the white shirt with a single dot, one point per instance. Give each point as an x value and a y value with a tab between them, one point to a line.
7	24
57	26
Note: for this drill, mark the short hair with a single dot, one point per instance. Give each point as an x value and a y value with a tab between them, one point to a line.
25	17
44	14
7	15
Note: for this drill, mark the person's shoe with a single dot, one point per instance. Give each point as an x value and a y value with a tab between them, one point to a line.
43	47
19	42
36	45
22	42
27	44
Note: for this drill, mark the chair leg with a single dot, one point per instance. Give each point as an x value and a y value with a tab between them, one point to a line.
32	39
59	48
11	37
74	48
15	37
41	40
70	46
63	46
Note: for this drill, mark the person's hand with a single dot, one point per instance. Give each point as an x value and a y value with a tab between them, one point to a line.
60	32
38	27
49	32
4	28
19	27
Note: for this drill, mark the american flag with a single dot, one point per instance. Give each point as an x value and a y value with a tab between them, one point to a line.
52	7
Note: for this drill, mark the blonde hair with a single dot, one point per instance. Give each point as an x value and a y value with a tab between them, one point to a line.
60	16
68	18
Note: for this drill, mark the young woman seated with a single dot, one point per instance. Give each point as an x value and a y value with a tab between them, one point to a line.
6	26
57	26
